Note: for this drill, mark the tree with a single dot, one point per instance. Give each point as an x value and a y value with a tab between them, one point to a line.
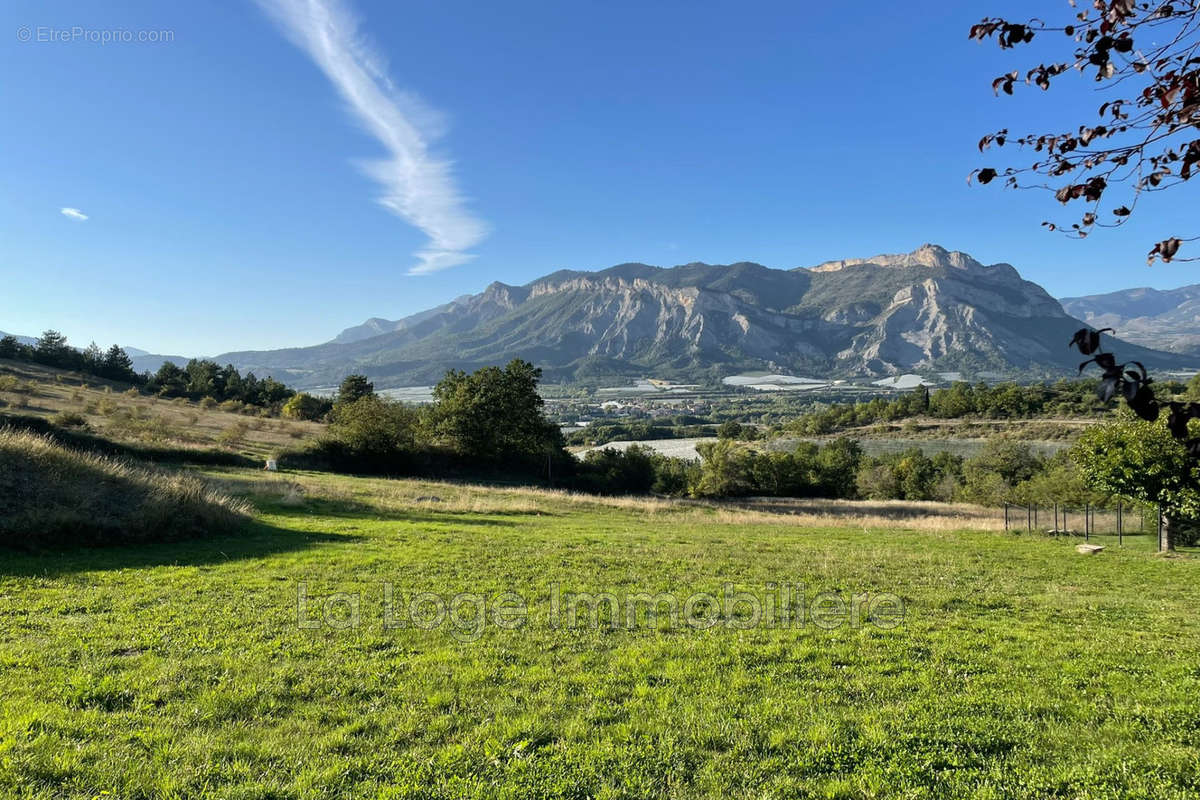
305	407
1143	56
354	387
991	477
495	415
837	466
117	365
1142	460
52	349
378	430
10	347
612	471
725	470
92	359
169	381
731	429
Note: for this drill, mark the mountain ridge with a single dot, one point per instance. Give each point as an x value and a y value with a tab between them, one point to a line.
1165	318
928	309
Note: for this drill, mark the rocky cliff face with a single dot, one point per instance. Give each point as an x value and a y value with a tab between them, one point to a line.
876	316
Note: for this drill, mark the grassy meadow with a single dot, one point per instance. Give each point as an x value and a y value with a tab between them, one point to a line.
124	415
265	663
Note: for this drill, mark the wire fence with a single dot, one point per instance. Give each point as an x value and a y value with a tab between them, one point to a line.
1086	521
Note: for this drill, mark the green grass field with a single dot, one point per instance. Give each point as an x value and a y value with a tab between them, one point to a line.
184	670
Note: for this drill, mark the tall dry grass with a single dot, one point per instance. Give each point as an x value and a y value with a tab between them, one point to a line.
406	495
52	496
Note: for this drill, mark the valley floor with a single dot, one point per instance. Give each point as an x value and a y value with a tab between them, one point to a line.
271	664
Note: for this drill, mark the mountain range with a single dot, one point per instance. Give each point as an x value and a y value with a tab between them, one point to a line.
928	309
1169	320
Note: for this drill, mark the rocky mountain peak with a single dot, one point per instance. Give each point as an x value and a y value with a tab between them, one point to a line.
927	255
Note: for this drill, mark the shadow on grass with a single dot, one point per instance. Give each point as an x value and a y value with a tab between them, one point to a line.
271	498
341	509
255	540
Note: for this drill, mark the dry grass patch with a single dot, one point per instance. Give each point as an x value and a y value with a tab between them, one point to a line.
52	496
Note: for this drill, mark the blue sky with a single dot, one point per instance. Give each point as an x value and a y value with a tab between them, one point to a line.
225	174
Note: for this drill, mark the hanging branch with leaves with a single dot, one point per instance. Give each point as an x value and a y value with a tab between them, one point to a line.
1146	137
1130	381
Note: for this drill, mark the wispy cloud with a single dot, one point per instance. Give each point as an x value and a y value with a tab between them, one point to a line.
73	213
417	185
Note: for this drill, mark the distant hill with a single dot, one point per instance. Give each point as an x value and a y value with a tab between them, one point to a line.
888	314
21	339
1165	319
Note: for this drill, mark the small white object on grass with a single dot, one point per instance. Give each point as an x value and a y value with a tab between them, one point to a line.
272	465
1088	549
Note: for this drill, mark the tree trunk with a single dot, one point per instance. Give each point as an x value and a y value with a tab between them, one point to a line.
1166	534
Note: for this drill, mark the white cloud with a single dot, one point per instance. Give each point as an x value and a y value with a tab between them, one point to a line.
417	185
73	213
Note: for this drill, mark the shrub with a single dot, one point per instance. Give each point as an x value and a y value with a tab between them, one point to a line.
305	406
69	419
52	496
232	406
9	383
233	434
131	392
208	403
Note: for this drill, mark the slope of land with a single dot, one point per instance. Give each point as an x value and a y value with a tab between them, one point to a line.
122	414
234	668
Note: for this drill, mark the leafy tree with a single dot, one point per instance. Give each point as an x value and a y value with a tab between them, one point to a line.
271	391
1142	460
729	430
991	477
202	379
837	466
877	480
354	387
304	406
495	415
1143	58
612	471
726	470
376	429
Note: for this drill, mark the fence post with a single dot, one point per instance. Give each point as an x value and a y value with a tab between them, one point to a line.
1087	522
1006	516
1064	527
1028	519
1120	525
1035	522
1056	528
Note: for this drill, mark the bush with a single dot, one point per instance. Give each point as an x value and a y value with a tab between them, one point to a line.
69	419
233	434
52	496
208	403
305	406
612	471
